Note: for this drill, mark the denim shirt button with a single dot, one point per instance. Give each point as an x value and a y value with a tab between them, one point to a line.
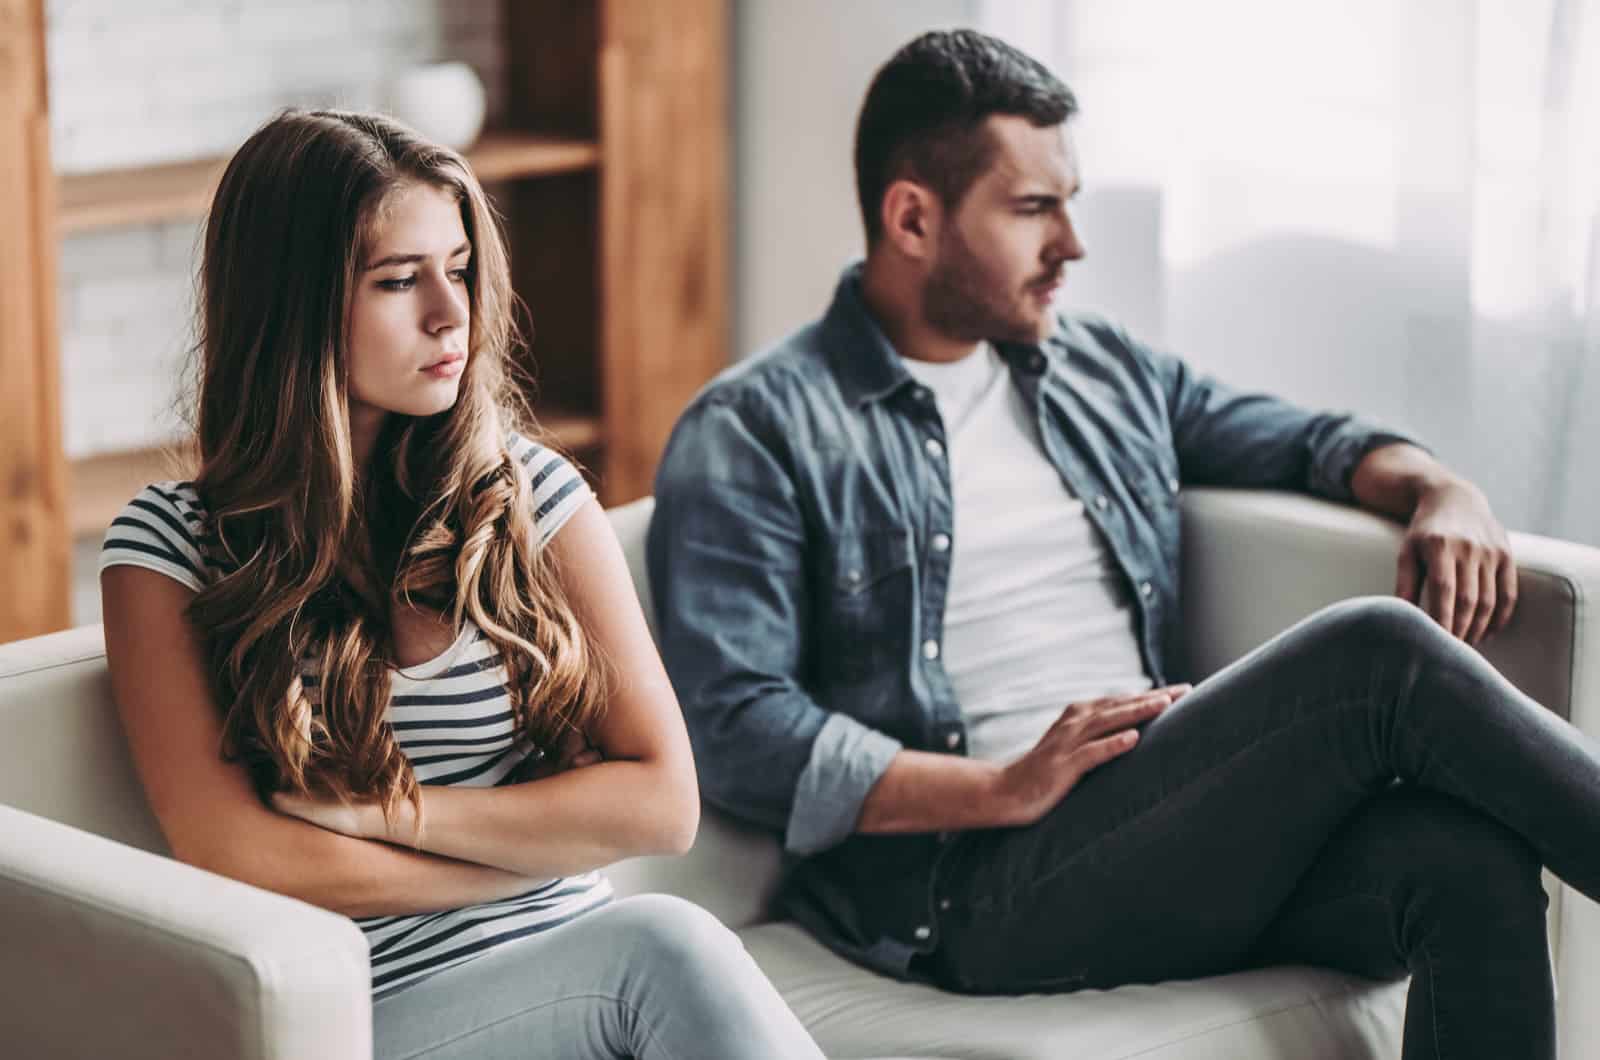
1101	502
1146	590
930	649
923	933
852	576
944	905
941	542
934	447
952	740
1172	484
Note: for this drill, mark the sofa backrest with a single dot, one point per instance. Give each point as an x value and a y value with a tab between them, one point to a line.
62	753
62	756
733	869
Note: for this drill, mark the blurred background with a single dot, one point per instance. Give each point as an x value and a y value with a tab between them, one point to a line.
1380	205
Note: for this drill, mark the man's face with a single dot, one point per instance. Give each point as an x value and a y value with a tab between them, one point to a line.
1002	252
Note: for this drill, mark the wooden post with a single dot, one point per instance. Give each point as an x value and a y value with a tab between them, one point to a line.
664	209
35	551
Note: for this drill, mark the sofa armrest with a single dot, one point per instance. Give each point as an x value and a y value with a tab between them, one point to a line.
1254	563
114	951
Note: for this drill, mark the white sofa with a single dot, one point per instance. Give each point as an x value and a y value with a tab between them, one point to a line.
108	948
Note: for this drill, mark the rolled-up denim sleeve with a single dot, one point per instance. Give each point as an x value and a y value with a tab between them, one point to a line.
727	562
1226	437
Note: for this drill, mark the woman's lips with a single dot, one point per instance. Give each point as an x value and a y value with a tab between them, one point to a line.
447	367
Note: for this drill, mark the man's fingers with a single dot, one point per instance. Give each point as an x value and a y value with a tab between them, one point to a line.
1104	702
1097	753
1466	608
1439	591
1408	573
1506	594
1114	719
1486	601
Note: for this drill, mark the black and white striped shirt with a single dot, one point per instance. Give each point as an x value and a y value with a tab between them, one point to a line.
451	716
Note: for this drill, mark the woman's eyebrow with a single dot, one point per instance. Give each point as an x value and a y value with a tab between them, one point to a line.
410	259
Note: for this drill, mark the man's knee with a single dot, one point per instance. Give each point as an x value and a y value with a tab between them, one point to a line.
1370	625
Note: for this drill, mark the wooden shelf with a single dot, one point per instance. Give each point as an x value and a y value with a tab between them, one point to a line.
101	484
182	190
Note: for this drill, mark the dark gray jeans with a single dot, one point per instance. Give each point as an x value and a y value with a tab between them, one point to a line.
1363	792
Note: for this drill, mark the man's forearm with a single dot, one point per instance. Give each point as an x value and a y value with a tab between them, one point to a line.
926	792
1392	479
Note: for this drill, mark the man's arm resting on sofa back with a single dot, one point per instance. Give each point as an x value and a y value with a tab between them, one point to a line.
1455	562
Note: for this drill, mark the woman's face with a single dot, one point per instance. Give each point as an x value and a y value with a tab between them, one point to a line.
410	309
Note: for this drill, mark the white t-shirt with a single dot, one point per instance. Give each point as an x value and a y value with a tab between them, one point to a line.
1038	614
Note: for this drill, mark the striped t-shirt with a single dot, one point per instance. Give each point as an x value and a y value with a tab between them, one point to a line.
451	717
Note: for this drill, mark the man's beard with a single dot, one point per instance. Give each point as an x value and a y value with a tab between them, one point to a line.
961	301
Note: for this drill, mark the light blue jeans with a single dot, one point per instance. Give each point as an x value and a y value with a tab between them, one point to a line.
651	977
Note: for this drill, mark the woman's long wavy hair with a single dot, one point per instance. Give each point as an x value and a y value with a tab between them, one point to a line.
314	554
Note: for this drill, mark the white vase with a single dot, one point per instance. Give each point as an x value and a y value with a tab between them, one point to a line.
443	102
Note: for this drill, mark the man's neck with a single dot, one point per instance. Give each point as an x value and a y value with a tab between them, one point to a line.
894	298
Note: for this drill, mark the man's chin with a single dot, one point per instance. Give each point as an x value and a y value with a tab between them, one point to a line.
1030	332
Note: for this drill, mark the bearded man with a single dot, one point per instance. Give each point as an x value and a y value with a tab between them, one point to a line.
916	572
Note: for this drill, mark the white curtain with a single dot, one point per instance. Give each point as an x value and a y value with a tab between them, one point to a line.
1384	205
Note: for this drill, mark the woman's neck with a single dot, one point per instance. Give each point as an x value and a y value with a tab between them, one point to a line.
366	423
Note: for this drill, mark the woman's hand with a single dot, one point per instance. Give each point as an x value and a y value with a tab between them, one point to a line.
363	819
360	820
574	752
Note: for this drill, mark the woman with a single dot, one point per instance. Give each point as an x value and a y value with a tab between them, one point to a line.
408	627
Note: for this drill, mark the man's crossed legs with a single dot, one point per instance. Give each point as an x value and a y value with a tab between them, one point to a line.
1364	792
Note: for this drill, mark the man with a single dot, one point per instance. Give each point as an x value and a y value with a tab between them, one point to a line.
916	573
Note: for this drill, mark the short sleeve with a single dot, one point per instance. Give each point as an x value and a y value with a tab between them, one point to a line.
558	488
159	530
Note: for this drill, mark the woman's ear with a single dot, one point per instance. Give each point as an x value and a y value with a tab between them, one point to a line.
911	215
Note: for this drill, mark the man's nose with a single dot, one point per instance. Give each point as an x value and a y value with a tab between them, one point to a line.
1068	246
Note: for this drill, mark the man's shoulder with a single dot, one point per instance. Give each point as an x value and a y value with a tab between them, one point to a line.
793	370
1083	333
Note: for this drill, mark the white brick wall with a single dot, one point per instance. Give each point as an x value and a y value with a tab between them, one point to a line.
138	82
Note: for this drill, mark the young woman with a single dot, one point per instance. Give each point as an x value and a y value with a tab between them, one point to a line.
383	654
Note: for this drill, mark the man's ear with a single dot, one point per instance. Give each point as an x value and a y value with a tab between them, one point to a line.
911	217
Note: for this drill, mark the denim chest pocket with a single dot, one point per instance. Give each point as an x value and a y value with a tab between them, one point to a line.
871	604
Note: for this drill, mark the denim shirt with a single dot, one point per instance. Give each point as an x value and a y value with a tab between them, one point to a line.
799	557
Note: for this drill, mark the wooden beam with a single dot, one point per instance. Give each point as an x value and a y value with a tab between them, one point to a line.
35	550
664	211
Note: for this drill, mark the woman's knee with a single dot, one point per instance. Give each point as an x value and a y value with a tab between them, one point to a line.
662	929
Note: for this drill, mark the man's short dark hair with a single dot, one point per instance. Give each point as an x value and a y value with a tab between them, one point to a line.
923	115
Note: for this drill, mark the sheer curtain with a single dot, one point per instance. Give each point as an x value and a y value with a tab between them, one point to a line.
1385	205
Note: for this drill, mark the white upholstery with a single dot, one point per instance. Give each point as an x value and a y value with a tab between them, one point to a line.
1302	1013
112	949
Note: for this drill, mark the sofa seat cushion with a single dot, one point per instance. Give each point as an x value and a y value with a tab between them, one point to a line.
1279	1013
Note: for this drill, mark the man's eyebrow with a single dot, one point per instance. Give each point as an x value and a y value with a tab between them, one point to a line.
1047	197
411	259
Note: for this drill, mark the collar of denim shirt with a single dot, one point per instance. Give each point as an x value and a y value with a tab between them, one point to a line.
865	362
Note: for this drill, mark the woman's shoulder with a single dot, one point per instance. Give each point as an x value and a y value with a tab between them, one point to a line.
558	487
160	529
